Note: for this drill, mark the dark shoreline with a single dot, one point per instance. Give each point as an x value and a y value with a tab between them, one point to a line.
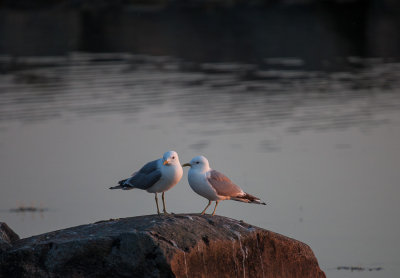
318	33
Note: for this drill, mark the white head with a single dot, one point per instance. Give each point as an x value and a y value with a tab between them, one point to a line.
171	158
198	163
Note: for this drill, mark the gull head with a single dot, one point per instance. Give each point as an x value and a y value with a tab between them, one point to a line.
198	162
170	158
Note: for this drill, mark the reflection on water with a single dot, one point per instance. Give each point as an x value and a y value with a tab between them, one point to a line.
321	147
242	95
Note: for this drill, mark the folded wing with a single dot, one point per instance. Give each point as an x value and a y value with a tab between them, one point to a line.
223	185
146	177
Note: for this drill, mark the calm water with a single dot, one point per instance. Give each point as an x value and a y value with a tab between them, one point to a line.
322	148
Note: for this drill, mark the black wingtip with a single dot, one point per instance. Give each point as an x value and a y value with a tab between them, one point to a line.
121	182
258	202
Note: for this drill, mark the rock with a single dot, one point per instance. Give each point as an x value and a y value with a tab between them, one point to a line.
184	245
7	236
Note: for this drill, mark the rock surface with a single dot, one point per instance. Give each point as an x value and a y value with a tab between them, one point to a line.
7	236
184	245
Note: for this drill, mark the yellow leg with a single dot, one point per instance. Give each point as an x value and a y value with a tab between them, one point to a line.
163	202
204	211
216	204
158	210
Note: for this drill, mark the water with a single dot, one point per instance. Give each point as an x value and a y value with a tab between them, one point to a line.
321	148
314	134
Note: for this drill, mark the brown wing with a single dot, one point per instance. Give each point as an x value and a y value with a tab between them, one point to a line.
223	185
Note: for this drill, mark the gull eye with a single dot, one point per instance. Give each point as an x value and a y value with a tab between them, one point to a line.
173	157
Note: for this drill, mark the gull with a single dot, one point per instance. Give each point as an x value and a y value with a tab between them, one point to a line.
155	177
214	185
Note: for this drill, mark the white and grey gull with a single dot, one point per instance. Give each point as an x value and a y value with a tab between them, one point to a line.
214	185
155	177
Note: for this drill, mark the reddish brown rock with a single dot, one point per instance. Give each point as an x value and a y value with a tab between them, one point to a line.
184	245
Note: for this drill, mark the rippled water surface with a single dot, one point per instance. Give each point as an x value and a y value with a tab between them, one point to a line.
321	148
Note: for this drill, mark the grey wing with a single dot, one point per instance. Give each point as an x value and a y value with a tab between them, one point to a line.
223	185
146	177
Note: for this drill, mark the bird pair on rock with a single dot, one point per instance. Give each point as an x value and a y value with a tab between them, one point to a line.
162	174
